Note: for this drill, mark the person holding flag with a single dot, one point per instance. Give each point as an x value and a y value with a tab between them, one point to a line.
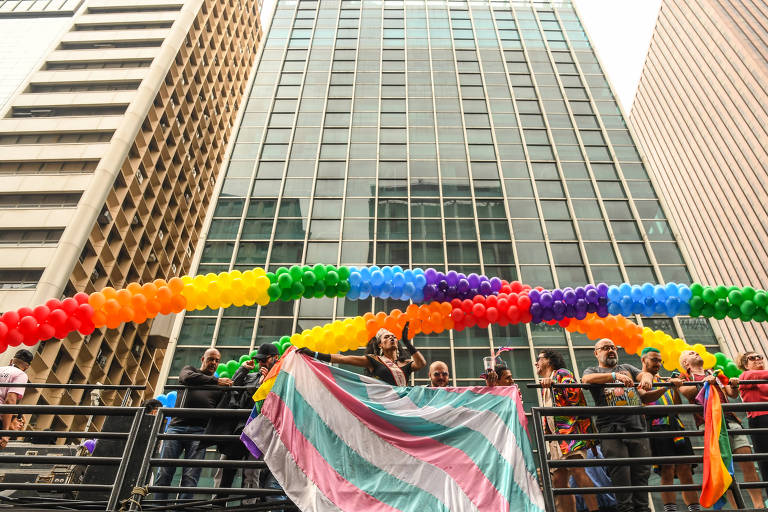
693	365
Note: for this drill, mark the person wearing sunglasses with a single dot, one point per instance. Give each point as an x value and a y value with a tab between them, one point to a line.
753	365
438	375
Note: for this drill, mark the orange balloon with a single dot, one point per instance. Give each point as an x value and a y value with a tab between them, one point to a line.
164	294
176	285
97	300
111	307
134	288
139	301
113	322
160	283
99	318
178	303
126	314
109	292
150	290
123	297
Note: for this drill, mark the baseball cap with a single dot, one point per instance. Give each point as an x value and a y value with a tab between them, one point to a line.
266	350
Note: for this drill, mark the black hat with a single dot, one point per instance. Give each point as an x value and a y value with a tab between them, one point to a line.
266	350
24	355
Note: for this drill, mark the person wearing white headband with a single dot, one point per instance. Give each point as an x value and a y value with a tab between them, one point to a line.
383	359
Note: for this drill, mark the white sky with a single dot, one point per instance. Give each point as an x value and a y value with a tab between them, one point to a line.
620	31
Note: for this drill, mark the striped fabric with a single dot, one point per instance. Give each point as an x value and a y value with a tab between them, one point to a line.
339	441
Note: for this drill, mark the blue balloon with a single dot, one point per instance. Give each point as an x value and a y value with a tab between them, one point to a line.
626	303
397	292
627	311
614	308
409	275
637	308
660	308
388	274
659	293
672	290
353	294
376	289
419	281
648	289
365	274
684	309
398	279
409	289
418	295
396	269
614	295
625	289
377	278
684	293
355	278
637	293
162	398
172	398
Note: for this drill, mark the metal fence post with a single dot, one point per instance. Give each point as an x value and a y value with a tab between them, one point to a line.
145	471
129	458
538	432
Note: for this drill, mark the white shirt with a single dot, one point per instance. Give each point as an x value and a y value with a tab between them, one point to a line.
11	374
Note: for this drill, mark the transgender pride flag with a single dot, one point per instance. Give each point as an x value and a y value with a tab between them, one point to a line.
339	441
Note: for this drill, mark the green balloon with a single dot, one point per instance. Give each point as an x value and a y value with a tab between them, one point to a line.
722	305
748	293
319	271
274	291
734	312
280	271
285	280
221	368
232	366
308	278
296	272
343	273
225	375
244	358
286	295
343	288
759	315
309	292
297	289
731	370
761	299
696	302
319	292
272	277
284	339
720	314
721	358
697	289
330	291
331	278
719	367
707	310
745	318
695	312
721	292
284	346
709	295
253	353
735	297
748	308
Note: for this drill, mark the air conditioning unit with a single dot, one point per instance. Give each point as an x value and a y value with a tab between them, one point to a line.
139	177
135	220
152	258
161	234
188	250
95	275
173	268
105	217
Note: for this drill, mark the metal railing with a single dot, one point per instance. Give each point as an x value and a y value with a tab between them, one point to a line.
541	439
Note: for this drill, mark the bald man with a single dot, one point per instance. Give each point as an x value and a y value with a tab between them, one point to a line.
192	398
438	375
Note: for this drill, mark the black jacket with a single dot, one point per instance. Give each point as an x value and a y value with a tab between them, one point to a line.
196	398
234	400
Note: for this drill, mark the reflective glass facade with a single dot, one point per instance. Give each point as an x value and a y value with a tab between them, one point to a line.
472	136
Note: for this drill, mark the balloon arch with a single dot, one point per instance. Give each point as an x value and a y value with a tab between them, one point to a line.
440	301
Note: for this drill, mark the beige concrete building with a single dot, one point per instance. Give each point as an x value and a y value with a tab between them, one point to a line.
701	117
109	154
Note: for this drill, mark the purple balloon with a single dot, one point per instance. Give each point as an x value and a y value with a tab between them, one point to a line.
546	299
89	444
581	315
440	296
431	275
581	306
485	288
462	276
474	280
442	285
591	307
592	296
570	310
472	292
569	297
558	316
462	285
602	289
534	295
536	309
558	308
495	284
557	294
536	318
602	301
547	314
440	276
580	292
430	291
452	278
602	310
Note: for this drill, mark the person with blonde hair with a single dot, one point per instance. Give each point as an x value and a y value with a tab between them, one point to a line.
383	359
753	365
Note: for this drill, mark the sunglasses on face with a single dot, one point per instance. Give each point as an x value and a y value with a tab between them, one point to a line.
755	357
606	348
440	374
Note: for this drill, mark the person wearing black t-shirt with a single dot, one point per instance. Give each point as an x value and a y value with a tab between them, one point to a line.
383	359
636	384
192	398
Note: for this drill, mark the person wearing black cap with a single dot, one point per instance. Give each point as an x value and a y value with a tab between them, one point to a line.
13	374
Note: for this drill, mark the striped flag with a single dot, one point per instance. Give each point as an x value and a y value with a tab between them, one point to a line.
336	440
718	459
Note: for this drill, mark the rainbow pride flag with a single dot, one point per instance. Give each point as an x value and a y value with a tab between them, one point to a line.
718	459
336	440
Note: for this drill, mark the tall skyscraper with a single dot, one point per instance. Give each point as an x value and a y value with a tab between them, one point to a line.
108	160
700	117
474	136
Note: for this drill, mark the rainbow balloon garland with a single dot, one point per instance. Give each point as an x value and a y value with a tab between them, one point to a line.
440	301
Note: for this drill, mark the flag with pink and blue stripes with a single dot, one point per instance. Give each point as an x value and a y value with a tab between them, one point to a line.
336	440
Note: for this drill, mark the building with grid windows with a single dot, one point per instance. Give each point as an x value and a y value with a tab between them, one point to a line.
700	114
474	136
109	153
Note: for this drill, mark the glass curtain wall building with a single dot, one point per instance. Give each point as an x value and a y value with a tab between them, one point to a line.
474	136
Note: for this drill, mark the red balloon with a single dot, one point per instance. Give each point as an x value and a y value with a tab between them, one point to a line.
72	324
455	303
503	306
31	338
457	314
14	338
492	314
466	305
57	318
41	313
27	325
81	298
516	286
491	301
45	332
513	312
87	328
84	311
61	333
25	311
478	299
53	304
3	330
482	323
69	305
470	321
524	303
478	310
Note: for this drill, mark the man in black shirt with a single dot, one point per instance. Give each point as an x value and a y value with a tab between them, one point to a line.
637	384
192	398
